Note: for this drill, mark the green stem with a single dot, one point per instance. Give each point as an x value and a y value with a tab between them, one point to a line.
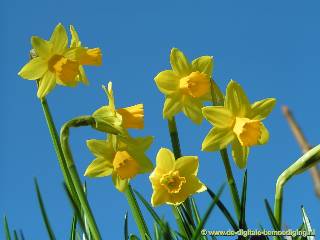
137	215
231	182
64	138
58	149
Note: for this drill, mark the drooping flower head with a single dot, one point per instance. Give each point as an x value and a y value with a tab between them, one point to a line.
129	117
56	63
121	157
186	85
238	123
173	181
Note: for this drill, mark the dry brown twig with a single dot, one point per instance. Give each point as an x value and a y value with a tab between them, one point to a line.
304	145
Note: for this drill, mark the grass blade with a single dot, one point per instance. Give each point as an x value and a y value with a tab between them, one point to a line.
15	235
125	229
43	212
242	222
307	224
6	228
73	228
271	216
196	234
21	235
195	210
224	210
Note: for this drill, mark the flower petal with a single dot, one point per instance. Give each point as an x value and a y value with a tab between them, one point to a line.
236	100
192	109
47	83
240	154
101	148
120	184
59	39
82	76
159	196
187	165
172	106
264	138
203	64
217	138
218	116
34	69
167	81
179	63
261	109
42	47
75	41
99	167
165	161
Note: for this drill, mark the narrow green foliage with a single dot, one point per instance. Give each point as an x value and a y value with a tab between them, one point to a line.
21	235
224	210
271	216
73	230
125	227
195	210
197	232
187	216
43	212
15	235
6	228
133	237
188	229
242	222
156	231
307	223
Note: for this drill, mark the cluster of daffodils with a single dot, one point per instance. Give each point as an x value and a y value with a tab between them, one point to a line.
187	86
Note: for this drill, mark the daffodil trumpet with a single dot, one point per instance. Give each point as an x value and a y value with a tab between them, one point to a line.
72	170
308	160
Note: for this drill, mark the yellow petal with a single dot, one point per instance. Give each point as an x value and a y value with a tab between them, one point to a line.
203	64
159	196
59	39
187	165
236	100
165	161
42	47
264	138
218	116
179	63
248	131
217	138
99	167
82	76
75	41
91	56
240	153
120	184
34	69
47	83
172	106
192	109
101	148
132	117
167	81
261	109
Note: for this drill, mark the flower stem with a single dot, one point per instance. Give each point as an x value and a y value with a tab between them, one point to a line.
137	215
64	138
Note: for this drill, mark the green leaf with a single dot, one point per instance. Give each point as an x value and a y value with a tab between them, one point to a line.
187	216
6	228
15	235
21	235
307	223
125	228
73	228
197	232
271	216
242	222
43	212
156	231
188	229
224	210
133	237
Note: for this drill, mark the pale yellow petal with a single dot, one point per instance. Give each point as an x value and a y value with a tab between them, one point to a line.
167	82
59	39
120	184
42	47
264	138
165	161
218	116
34	69
75	41
179	63
101	148
46	84
217	139
261	109
240	153
203	64
236	100
192	109
187	165
172	106
159	196
99	167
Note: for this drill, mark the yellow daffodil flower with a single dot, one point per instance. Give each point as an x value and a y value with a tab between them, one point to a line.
129	117
122	158
173	181
238	123
186	86
55	63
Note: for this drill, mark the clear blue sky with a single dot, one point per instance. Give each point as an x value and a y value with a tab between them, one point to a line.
271	47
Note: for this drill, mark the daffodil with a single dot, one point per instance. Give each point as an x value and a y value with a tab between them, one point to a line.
173	181
121	157
129	117
55	63
237	123
186	85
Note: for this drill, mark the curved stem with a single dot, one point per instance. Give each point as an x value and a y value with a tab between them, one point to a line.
137	215
64	138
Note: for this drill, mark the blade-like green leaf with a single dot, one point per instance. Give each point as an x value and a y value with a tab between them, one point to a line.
21	235
125	227
73	228
195	210
187	216
242	222
224	210
43	212
6	228
271	216
156	231
133	237
187	227
307	224
197	232
15	235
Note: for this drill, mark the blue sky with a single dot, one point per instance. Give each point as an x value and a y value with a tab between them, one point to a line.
271	48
